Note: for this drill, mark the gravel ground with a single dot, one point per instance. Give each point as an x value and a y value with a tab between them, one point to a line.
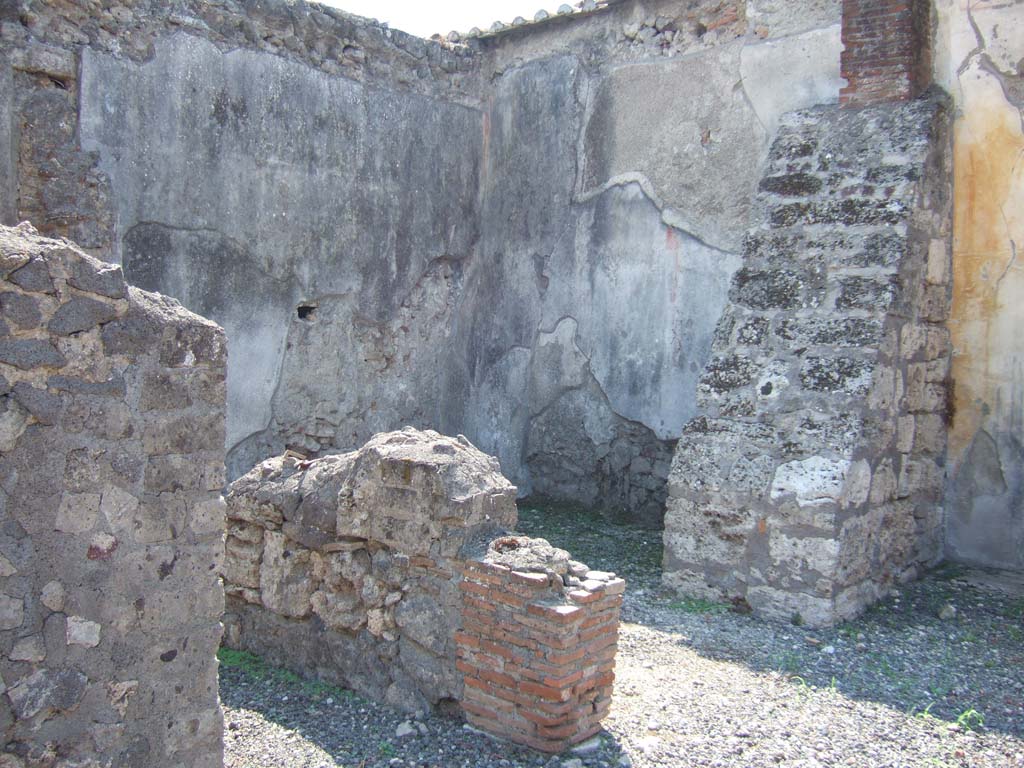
698	685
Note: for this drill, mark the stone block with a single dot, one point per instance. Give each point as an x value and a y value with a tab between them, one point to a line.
767	289
813	481
921	476
285	582
20	310
845	375
80	314
28	354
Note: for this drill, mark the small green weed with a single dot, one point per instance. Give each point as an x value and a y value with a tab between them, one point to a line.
787	663
254	666
926	713
940	688
387	749
970	719
849	631
1015	610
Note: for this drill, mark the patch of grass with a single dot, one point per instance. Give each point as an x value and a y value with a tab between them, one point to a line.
849	631
247	662
387	749
697	605
787	663
949	571
1015	610
255	667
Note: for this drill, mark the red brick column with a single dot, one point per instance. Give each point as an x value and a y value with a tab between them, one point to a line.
537	657
887	50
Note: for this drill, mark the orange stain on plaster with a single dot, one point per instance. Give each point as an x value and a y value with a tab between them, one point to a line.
988	287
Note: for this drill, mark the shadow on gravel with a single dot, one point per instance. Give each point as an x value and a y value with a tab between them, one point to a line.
948	647
317	720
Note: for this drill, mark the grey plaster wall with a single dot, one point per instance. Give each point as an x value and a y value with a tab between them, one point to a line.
605	305
8	144
247	184
527	238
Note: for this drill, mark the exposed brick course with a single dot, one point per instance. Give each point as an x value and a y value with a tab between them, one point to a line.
538	668
887	51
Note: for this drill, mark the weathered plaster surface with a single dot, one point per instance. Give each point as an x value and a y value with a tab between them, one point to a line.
980	60
246	184
695	141
511	239
8	145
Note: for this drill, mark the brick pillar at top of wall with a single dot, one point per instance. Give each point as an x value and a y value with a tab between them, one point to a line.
886	50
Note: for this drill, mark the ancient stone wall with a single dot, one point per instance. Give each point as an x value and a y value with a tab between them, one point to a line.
347	567
815	480
380	570
471	225
111	463
647	125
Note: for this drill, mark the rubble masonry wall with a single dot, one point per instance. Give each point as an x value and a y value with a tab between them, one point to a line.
815	480
111	521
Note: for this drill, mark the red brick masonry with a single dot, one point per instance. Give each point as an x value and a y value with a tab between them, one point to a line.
537	657
886	54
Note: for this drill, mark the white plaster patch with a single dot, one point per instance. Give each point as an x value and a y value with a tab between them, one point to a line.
813	481
796	72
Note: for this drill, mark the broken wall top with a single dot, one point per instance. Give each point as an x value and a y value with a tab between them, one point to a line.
420	493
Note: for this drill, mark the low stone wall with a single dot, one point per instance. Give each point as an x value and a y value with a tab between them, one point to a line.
390	570
111	464
537	645
346	567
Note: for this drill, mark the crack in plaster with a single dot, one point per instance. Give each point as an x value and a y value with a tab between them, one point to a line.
670	216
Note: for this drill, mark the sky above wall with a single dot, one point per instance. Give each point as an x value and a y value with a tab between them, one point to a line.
423	18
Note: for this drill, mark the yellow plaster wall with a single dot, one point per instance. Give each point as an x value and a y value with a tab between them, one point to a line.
980	61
